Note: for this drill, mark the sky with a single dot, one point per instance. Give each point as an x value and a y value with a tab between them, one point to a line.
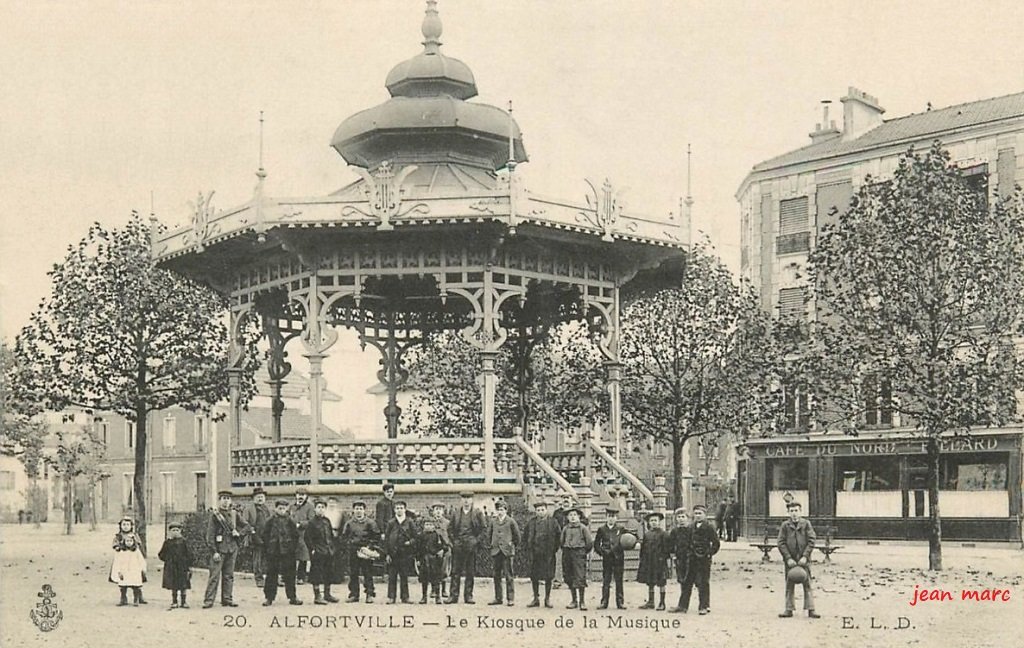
106	107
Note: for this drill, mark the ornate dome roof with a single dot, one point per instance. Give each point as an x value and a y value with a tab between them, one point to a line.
428	118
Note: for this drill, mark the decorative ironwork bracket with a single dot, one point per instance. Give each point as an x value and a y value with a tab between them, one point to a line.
384	191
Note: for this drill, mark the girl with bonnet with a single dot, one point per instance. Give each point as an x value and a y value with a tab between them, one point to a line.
128	568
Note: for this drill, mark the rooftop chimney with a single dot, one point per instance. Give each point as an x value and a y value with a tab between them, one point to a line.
861	113
826	130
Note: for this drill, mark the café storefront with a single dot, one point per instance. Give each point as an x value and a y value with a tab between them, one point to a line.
875	487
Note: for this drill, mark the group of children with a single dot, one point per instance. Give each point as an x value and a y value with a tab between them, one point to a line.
435	548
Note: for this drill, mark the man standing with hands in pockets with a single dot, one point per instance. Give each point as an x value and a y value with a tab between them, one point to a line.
796	542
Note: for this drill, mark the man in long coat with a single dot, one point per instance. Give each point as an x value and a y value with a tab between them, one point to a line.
301	512
467	531
542	537
256	516
280	539
319	537
400	542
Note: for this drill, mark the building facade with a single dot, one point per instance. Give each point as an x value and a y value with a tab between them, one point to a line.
872	486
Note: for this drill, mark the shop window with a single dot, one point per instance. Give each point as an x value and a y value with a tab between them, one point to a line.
973	472
867	474
787	474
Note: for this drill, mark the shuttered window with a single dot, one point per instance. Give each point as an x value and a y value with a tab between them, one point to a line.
791	303
793	216
1006	169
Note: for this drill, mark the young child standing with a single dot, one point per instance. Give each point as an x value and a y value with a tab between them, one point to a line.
576	544
679	544
433	544
654	553
128	568
177	565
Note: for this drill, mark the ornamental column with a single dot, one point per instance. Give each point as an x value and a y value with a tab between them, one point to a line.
614	373
235	398
489	386
317	338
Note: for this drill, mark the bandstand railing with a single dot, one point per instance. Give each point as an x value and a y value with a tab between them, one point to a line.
421	460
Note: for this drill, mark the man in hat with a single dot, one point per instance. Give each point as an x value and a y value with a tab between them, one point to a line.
256	516
503	537
361	537
319	538
280	540
468	529
301	512
608	545
704	544
400	542
224	535
542	538
576	544
796	542
384	511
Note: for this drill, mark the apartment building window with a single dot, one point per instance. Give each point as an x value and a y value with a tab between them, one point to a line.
794	230
6	480
200	432
792	303
127	489
976	177
103	431
167	490
702	453
129	434
877	401
797	408
170	431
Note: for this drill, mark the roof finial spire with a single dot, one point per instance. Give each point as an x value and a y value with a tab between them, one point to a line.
261	173
511	140
432	28
689	202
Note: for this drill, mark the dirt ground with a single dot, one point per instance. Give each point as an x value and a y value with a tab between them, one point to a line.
863	596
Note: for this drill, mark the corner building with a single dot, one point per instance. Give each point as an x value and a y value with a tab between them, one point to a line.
875	485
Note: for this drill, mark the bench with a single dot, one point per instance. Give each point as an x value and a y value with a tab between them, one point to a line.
828	548
770	542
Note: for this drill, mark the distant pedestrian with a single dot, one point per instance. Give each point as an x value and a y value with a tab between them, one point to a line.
732	519
177	559
796	542
78	506
654	554
723	506
128	569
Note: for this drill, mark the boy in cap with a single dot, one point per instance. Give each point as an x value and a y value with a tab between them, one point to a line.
442	524
280	540
433	544
224	535
177	565
576	544
796	542
468	528
542	538
302	513
608	545
502	540
361	537
400	545
679	544
256	516
704	544
319	538
653	567
384	511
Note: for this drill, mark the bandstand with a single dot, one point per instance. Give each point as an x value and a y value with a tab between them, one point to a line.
439	233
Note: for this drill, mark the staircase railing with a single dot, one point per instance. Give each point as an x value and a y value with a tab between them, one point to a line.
638	486
535	464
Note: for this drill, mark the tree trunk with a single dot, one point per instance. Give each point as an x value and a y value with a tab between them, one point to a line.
92	504
33	503
934	519
139	482
677	474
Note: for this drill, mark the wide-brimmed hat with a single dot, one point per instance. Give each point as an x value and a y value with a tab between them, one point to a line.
654	515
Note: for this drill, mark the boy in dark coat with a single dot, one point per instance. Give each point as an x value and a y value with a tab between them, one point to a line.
361	539
177	565
433	544
280	540
542	537
319	538
704	544
576	544
384	510
654	554
608	545
400	545
301	512
679	543
256	516
796	542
